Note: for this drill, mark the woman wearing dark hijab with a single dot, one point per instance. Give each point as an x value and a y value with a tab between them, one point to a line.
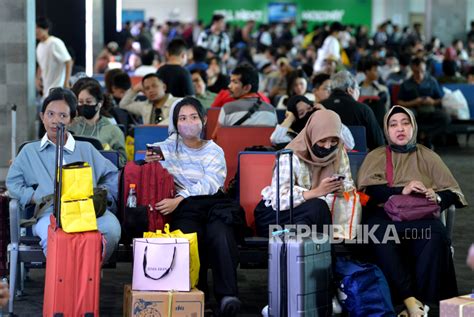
420	271
299	109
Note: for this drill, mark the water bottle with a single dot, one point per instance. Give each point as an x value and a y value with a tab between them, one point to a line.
132	197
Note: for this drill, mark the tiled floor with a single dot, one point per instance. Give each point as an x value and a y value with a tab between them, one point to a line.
252	283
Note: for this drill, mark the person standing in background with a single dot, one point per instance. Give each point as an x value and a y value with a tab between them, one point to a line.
177	78
55	63
216	40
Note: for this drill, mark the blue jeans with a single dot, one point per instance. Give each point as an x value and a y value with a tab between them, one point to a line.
108	225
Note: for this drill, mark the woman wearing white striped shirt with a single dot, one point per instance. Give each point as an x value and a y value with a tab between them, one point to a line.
199	170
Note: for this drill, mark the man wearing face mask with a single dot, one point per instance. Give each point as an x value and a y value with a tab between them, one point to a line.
154	110
343	101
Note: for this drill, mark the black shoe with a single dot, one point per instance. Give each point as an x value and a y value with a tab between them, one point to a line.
230	306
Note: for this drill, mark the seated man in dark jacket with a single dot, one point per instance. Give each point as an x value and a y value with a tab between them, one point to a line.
343	101
422	94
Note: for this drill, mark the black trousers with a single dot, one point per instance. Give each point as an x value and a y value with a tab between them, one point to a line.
312	212
216	243
421	265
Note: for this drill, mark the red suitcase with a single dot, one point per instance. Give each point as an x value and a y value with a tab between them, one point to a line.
72	282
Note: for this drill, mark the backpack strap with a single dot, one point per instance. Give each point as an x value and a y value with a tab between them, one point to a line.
250	112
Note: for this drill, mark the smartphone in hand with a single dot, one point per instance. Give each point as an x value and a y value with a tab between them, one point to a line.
156	150
338	177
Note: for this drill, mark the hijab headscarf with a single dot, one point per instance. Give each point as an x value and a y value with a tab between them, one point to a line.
299	123
411	145
419	163
321	125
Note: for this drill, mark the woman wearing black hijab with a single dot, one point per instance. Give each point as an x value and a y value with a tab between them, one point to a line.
299	109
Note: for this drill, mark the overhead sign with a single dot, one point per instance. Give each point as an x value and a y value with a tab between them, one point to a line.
266	11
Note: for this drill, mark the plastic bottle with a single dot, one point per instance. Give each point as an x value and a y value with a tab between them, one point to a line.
132	197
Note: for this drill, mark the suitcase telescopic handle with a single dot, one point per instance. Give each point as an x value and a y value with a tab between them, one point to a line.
13	148
278	154
60	128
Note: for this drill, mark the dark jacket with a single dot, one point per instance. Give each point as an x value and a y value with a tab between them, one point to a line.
355	113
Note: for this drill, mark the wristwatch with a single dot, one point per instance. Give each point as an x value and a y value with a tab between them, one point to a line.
438	199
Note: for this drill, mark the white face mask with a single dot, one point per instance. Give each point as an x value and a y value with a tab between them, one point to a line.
190	130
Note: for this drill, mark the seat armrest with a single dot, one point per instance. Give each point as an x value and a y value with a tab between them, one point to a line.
450	216
14	211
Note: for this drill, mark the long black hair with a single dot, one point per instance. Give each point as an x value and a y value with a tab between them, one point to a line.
187	101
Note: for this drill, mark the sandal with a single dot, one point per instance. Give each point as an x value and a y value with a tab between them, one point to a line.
419	310
404	313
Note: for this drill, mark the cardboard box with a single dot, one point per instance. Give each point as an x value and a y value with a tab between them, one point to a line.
461	306
146	303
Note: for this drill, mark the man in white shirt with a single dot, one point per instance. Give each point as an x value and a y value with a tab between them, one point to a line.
330	48
55	63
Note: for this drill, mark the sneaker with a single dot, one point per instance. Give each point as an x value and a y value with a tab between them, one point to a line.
230	306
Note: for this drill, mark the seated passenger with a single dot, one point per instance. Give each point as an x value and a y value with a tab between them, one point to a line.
92	122
243	87
31	176
297	86
318	155
419	271
299	111
199	170
343	100
156	108
422	94
205	96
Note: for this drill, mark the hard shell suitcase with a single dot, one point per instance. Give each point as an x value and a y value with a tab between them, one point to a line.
299	270
72	281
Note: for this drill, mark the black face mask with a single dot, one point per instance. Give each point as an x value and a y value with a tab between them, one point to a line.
322	151
87	111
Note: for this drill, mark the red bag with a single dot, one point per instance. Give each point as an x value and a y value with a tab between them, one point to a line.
407	207
153	184
72	282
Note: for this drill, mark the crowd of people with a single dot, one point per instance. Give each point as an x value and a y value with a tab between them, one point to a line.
317	75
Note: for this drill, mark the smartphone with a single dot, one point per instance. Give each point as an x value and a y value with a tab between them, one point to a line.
156	150
339	177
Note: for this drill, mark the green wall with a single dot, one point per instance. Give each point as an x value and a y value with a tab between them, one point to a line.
313	11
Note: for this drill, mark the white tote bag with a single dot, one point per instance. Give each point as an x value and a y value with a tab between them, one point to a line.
161	264
346	212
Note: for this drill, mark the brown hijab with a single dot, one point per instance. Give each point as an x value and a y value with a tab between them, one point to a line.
322	124
421	164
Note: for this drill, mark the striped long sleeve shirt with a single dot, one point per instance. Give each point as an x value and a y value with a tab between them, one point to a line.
196	171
